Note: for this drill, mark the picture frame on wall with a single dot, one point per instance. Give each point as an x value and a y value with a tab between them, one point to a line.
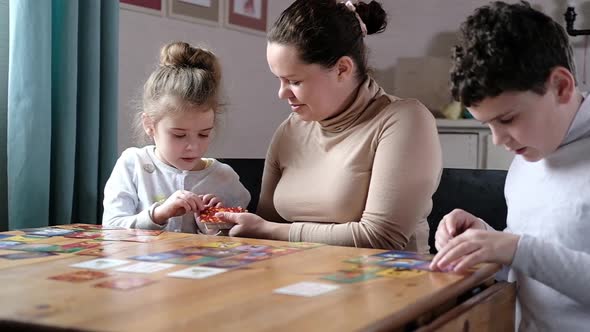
197	11
247	15
153	7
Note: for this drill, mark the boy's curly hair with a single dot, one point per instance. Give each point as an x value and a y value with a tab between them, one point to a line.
507	47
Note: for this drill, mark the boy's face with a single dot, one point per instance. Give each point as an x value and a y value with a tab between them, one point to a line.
525	123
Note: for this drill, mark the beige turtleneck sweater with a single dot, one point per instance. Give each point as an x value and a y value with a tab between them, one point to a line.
363	178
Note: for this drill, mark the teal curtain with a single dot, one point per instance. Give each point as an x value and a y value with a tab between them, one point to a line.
3	110
62	109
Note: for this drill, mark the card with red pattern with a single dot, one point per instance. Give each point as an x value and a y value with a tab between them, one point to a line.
125	283
80	276
208	218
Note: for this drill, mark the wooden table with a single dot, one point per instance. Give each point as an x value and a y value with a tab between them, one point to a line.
243	299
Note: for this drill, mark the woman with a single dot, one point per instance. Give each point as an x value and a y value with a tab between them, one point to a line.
352	165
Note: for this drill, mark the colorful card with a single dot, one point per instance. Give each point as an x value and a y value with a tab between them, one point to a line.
35	247
3	236
197	272
252	247
27	255
26	238
191	260
227	263
8	244
145	267
406	264
48	231
306	289
100	263
397	254
125	283
80	276
221	245
156	257
84	235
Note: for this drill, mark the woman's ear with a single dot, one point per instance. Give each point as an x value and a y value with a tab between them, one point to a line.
345	68
563	83
148	124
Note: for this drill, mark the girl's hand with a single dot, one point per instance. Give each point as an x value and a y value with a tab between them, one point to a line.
178	204
210	200
476	246
453	224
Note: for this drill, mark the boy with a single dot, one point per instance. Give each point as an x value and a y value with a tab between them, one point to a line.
514	71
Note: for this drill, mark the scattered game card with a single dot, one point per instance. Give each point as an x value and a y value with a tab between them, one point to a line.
8	244
80	276
84	235
26	238
155	257
191	260
197	272
211	222
145	267
125	283
406	264
48	231
252	247
2	236
100	263
35	247
27	255
404	254
228	263
306	289
221	245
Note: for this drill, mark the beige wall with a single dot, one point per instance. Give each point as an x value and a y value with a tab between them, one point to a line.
417	28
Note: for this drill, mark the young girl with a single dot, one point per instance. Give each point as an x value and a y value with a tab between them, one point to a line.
514	71
162	186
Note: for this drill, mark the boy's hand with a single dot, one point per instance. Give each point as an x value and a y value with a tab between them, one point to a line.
476	246
178	204
453	224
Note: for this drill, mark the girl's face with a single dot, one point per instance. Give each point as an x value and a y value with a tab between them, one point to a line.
182	138
526	123
313	92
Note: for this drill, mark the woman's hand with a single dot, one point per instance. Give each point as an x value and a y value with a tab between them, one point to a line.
178	204
453	224
251	225
475	246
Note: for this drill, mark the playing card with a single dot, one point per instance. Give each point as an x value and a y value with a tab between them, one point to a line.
49	231
80	276
306	289
27	255
197	272
145	267
125	283
100	263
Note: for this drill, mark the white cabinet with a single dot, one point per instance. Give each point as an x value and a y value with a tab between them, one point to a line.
468	144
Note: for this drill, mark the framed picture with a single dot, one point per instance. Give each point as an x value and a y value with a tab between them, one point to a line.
247	15
154	7
198	11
